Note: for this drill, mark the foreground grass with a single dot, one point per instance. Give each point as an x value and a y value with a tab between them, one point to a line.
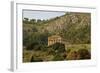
45	56
78	46
38	55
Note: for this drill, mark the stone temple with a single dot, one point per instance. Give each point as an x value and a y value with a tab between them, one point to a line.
54	39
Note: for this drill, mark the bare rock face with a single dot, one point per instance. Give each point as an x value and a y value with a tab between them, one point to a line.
74	18
78	19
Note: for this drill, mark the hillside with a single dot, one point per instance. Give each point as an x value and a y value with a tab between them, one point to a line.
73	27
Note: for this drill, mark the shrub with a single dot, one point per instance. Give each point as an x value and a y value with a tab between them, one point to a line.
68	50
34	46
72	55
58	47
83	54
35	60
58	57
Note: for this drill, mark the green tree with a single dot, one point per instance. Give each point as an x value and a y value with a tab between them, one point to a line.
26	20
32	21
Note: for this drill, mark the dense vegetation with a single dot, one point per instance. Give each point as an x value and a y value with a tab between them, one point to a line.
74	28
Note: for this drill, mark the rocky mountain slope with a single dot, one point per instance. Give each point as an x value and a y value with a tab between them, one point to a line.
73	27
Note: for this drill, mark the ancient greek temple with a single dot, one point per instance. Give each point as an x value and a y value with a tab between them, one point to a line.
54	39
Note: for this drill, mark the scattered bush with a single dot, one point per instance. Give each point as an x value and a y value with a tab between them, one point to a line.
58	57
35	60
34	46
68	50
72	55
78	55
83	54
58	47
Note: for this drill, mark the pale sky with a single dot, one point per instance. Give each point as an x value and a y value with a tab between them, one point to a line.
41	14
